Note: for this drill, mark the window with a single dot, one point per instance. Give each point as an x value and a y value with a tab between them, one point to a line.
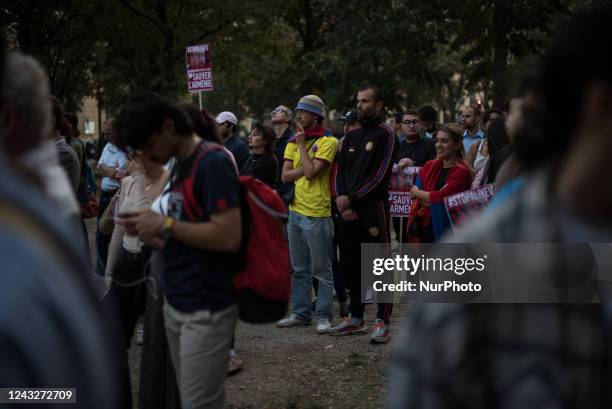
90	127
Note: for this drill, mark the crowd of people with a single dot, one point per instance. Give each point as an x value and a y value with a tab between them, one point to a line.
170	226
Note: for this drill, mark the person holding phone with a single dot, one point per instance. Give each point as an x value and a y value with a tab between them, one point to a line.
199	250
127	254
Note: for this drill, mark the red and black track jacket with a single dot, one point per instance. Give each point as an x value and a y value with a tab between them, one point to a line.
365	162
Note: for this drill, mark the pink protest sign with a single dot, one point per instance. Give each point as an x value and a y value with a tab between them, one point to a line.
199	68
399	195
465	205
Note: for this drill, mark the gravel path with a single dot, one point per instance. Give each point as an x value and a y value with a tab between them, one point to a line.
295	368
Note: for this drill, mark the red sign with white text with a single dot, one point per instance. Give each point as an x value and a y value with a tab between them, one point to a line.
399	195
199	68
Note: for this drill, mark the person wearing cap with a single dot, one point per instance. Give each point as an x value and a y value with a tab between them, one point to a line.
308	157
365	163
227	130
350	120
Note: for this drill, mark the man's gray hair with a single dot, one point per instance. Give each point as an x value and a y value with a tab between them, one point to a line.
25	86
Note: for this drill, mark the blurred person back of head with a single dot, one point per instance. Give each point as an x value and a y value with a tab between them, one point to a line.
532	355
50	322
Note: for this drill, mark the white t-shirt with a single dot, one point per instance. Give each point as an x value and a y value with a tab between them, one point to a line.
114	158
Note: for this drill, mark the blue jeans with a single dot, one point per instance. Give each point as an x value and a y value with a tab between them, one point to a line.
310	250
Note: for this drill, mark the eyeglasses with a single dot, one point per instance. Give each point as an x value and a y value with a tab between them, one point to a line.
414	122
279	109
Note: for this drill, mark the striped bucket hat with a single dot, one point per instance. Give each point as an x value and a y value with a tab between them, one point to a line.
313	104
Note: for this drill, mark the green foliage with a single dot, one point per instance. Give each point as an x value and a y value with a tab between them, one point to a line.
267	53
61	34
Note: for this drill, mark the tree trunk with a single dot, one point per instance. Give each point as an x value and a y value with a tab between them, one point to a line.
500	59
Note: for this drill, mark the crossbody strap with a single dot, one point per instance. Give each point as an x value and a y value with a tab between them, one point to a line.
191	206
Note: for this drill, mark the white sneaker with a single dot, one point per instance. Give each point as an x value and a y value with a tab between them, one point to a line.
323	326
291	321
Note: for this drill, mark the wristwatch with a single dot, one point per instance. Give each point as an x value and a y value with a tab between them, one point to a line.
166	230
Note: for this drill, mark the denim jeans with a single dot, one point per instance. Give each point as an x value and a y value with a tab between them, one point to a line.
310	250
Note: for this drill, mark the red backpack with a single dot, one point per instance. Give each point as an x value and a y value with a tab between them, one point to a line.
263	280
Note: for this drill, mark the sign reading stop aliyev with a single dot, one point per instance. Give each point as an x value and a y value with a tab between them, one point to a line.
199	68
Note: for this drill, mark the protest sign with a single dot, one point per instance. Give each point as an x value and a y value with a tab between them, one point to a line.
465	205
199	68
399	195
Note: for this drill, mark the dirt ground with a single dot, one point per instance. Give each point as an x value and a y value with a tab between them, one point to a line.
295	368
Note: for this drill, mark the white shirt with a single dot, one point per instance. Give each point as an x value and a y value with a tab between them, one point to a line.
111	157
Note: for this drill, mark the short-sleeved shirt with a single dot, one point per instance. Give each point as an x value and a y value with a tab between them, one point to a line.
114	158
194	278
312	197
468	140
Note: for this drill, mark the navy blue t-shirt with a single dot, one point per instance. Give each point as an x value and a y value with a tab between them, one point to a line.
239	149
198	279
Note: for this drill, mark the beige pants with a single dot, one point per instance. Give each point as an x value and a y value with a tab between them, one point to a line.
199	344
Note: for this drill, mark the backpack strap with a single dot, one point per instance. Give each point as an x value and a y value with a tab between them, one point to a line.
191	206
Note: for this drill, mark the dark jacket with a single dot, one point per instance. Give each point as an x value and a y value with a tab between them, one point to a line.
281	144
263	167
365	162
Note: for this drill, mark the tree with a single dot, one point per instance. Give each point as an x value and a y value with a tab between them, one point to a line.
497	32
61	34
144	45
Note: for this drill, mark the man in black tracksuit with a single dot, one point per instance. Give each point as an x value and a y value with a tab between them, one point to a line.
364	167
